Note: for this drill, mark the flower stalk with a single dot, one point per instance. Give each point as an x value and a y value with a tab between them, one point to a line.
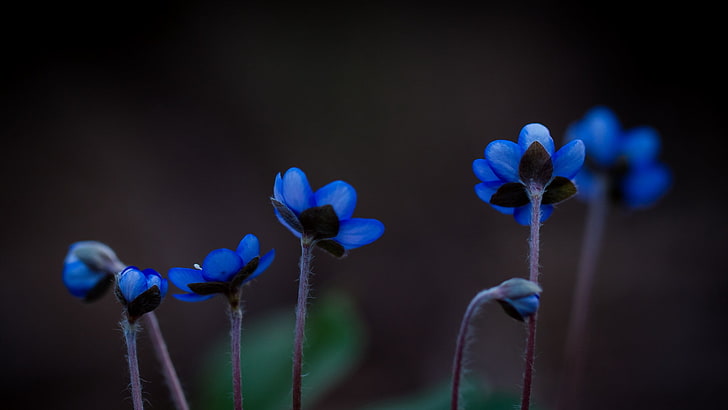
536	194
575	348
301	307
170	374
236	321
130	329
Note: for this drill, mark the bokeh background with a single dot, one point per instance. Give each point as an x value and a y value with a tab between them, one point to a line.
159	129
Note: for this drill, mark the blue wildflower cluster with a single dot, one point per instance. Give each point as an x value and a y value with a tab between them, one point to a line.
625	160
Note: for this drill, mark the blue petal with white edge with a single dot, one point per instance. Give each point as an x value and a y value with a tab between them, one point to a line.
220	265
482	171
181	277
536	132
357	232
340	195
569	159
132	283
155	279
248	248
296	190
192	297
503	157
263	264
522	214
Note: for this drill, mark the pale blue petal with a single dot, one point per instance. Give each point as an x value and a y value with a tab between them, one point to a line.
536	132
278	189
641	145
248	248
193	297
643	187
263	264
220	265
155	279
569	159
482	171
340	195
181	277
357	232
296	191
503	157
132	283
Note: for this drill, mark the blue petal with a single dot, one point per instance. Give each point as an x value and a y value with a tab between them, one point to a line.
522	214
600	131
181	277
296	191
586	185
525	306
340	195
155	279
482	171
284	223
569	159
132	283
248	248
357	232
220	265
643	187
263	264
78	278
641	145
278	189
192	297
503	157
536	132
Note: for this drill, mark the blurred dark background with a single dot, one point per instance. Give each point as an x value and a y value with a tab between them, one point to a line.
159	129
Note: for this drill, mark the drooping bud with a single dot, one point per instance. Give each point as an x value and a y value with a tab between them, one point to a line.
519	298
89	269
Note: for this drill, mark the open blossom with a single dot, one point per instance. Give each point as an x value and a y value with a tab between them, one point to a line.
625	159
323	216
513	174
223	271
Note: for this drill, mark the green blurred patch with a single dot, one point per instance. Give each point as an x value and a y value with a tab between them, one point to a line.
438	398
334	346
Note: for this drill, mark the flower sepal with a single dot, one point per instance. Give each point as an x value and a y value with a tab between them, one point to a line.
332	247
287	215
319	222
149	300
560	189
536	165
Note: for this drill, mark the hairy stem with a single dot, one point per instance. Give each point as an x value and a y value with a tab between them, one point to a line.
462	340
170	374
236	321
303	289
130	333
533	263
575	348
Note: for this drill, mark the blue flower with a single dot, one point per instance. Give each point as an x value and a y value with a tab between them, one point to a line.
223	271
140	291
512	174
89	269
625	159
323	217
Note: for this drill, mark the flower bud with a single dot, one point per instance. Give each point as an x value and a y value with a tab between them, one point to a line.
519	298
89	269
141	291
